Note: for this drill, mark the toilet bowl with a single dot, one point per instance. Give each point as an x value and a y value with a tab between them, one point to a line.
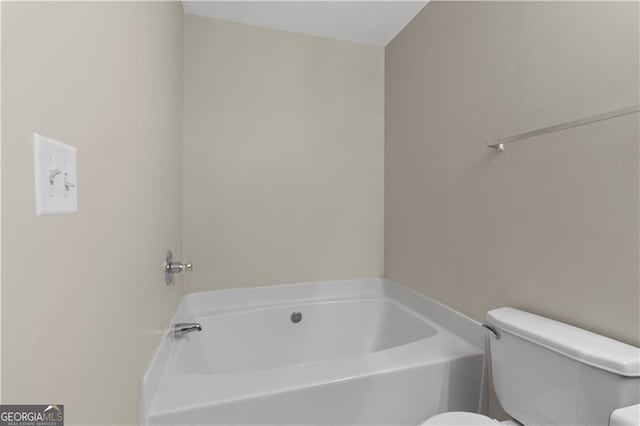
564	368
464	418
459	418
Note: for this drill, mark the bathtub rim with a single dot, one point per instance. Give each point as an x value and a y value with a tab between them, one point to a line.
451	350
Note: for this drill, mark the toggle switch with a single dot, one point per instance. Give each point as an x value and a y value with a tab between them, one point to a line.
55	176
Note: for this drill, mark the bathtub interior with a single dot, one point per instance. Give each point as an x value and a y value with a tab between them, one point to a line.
267	337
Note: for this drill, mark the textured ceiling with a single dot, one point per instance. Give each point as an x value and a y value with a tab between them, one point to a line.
368	22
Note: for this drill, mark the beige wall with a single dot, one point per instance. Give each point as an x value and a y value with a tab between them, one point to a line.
83	295
283	156
551	225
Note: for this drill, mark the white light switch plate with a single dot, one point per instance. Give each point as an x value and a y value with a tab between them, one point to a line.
56	176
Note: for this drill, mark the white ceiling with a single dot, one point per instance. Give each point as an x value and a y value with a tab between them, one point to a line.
368	22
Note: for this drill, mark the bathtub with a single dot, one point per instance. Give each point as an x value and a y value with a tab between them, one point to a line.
359	352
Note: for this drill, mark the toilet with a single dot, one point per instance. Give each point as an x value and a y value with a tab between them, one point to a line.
549	373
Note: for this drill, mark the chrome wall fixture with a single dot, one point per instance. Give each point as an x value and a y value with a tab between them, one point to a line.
499	144
172	267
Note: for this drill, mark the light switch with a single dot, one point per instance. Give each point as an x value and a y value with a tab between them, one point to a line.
56	176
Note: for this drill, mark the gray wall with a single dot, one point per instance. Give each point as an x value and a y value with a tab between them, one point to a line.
551	225
83	295
283	156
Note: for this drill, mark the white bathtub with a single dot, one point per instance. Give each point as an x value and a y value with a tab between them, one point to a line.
365	352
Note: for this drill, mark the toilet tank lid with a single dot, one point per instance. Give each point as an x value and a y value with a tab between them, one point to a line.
576	343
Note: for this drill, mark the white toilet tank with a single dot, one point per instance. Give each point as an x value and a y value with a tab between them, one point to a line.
549	373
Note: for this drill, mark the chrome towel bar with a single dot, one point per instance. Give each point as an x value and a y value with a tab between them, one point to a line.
498	144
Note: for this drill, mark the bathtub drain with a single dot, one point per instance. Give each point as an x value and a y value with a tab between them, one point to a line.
296	317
